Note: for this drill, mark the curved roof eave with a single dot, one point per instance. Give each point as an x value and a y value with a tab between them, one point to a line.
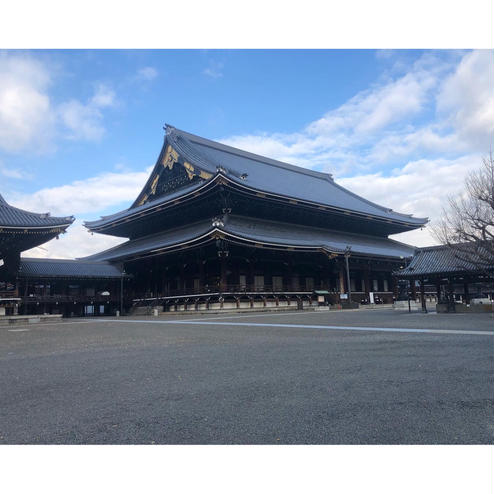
206	185
265	234
152	205
14	218
183	143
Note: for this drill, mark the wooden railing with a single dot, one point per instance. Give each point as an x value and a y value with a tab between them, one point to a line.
227	289
53	299
9	294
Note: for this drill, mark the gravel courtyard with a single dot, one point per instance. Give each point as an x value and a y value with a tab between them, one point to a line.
347	377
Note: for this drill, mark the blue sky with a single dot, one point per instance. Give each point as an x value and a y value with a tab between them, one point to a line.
79	130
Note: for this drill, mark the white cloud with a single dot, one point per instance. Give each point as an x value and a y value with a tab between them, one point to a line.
26	112
371	110
146	74
31	120
15	173
85	196
441	107
85	121
467	98
103	97
82	197
371	127
77	242
420	188
214	69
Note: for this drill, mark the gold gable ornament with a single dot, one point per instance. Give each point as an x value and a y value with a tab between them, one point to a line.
170	158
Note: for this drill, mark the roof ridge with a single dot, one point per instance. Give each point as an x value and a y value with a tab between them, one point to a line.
247	154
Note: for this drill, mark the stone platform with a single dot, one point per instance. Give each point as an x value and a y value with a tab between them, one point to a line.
10	320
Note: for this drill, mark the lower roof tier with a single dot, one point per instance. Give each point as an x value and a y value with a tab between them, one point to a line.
256	233
67	268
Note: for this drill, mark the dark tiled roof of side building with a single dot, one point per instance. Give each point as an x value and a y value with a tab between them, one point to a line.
12	217
445	259
67	268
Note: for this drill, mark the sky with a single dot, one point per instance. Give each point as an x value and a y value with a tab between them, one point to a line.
81	130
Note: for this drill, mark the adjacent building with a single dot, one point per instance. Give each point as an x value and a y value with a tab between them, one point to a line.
19	231
452	276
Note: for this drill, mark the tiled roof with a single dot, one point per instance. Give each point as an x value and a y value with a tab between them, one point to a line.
65	268
262	174
443	259
261	231
281	178
13	217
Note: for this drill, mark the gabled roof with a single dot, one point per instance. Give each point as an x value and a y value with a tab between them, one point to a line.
257	173
12	217
444	259
259	233
66	268
278	177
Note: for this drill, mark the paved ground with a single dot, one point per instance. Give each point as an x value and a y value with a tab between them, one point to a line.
352	377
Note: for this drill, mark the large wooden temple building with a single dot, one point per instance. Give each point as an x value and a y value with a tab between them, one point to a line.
218	227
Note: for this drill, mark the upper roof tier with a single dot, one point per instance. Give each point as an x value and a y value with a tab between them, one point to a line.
15	218
202	161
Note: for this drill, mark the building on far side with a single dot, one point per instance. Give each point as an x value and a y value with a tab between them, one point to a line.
19	231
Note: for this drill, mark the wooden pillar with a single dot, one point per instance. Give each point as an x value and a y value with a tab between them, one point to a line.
181	282
201	274
451	296
394	284
235	273
367	282
467	293
250	281
438	291
422	295
413	289
223	267
342	284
